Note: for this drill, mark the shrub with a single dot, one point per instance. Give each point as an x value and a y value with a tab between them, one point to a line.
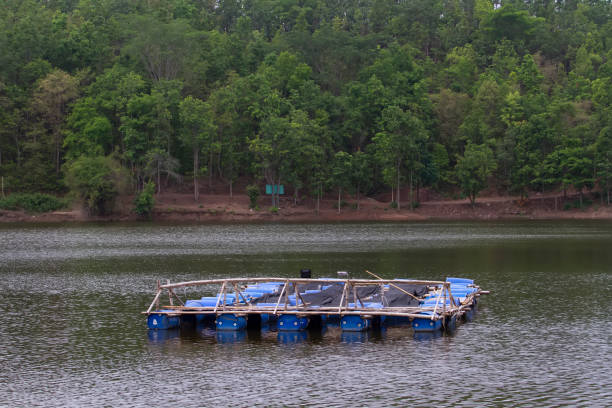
393	204
145	201
342	204
33	202
273	210
252	191
96	180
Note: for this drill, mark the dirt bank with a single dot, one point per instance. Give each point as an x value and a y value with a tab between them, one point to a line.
181	207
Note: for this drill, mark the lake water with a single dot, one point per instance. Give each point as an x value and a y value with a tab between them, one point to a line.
71	332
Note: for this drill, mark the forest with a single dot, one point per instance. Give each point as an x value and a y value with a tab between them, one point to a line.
106	97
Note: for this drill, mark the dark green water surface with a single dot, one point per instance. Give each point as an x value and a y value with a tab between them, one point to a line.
71	332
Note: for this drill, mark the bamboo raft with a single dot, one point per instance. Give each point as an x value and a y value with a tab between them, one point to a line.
362	303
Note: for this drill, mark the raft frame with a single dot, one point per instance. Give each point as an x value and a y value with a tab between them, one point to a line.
245	307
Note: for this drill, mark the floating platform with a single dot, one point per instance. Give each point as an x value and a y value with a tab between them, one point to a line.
296	304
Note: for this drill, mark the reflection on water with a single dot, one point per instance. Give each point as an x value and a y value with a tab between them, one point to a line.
72	333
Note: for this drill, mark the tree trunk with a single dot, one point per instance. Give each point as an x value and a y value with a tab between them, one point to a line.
278	193
339	195
580	195
398	187
210	169
411	179
318	197
158	177
57	156
196	187
608	196
358	185
231	179
18	151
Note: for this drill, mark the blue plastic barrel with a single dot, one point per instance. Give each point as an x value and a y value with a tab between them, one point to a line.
231	322
354	323
460	280
162	321
425	323
289	322
211	301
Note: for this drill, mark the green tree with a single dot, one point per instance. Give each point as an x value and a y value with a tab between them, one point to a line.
474	168
341	171
51	100
603	160
89	132
398	148
196	131
97	180
361	173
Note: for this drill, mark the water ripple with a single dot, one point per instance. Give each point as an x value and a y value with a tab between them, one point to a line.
72	333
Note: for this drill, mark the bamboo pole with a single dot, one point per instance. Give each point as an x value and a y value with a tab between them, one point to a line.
268	309
280	296
436	306
176	296
376	312
302	299
452	298
342	298
155	300
158	288
395	286
359	282
287	296
169	292
219	297
239	293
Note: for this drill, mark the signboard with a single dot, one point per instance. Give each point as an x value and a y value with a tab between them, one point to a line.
278	188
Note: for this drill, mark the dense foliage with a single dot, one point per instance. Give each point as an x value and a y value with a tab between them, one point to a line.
145	200
318	95
32	202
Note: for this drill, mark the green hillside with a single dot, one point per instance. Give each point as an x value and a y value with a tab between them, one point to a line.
98	97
